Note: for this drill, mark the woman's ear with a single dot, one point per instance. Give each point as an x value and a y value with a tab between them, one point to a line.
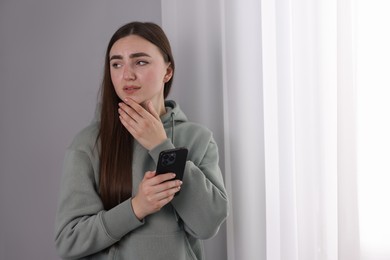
168	74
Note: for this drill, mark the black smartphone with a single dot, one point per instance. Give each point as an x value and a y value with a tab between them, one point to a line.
172	160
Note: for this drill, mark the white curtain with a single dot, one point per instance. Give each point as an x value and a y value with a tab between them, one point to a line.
277	79
373	124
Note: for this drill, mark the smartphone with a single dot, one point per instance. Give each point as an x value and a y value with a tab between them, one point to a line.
172	160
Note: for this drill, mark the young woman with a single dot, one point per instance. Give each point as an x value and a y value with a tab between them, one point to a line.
112	203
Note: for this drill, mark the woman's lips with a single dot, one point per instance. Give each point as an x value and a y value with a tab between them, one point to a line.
131	89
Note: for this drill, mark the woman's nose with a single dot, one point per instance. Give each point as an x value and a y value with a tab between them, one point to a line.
128	73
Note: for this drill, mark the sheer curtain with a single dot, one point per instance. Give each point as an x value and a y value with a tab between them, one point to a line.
373	106
278	77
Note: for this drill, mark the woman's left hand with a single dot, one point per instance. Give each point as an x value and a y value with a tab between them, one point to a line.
145	126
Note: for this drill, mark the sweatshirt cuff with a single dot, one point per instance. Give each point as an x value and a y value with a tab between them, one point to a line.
120	220
155	152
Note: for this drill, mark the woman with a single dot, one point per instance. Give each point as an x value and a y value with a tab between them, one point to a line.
112	203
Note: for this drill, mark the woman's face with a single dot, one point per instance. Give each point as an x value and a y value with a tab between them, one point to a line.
138	70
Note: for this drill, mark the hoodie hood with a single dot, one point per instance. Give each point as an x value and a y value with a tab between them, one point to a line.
173	116
173	112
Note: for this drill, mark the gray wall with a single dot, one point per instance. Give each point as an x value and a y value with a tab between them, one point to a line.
51	56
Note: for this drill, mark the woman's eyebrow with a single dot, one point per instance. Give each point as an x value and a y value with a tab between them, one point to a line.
139	54
132	56
116	57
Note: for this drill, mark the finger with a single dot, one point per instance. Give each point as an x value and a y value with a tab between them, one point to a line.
150	174
166	189
128	123
165	201
160	178
131	120
152	110
128	113
137	108
138	117
168	185
167	194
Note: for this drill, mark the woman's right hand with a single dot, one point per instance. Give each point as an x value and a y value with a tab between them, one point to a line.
154	192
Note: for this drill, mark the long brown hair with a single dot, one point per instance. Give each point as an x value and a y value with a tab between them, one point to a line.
116	153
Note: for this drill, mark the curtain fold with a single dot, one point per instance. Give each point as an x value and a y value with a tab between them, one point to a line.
348	211
243	116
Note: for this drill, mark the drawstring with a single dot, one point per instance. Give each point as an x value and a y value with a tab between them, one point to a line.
172	126
178	219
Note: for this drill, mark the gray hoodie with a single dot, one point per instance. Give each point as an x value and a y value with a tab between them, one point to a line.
83	229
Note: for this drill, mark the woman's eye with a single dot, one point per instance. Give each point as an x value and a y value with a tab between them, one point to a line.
116	65
142	62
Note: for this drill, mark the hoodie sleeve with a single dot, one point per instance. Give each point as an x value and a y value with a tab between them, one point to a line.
203	203
82	225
